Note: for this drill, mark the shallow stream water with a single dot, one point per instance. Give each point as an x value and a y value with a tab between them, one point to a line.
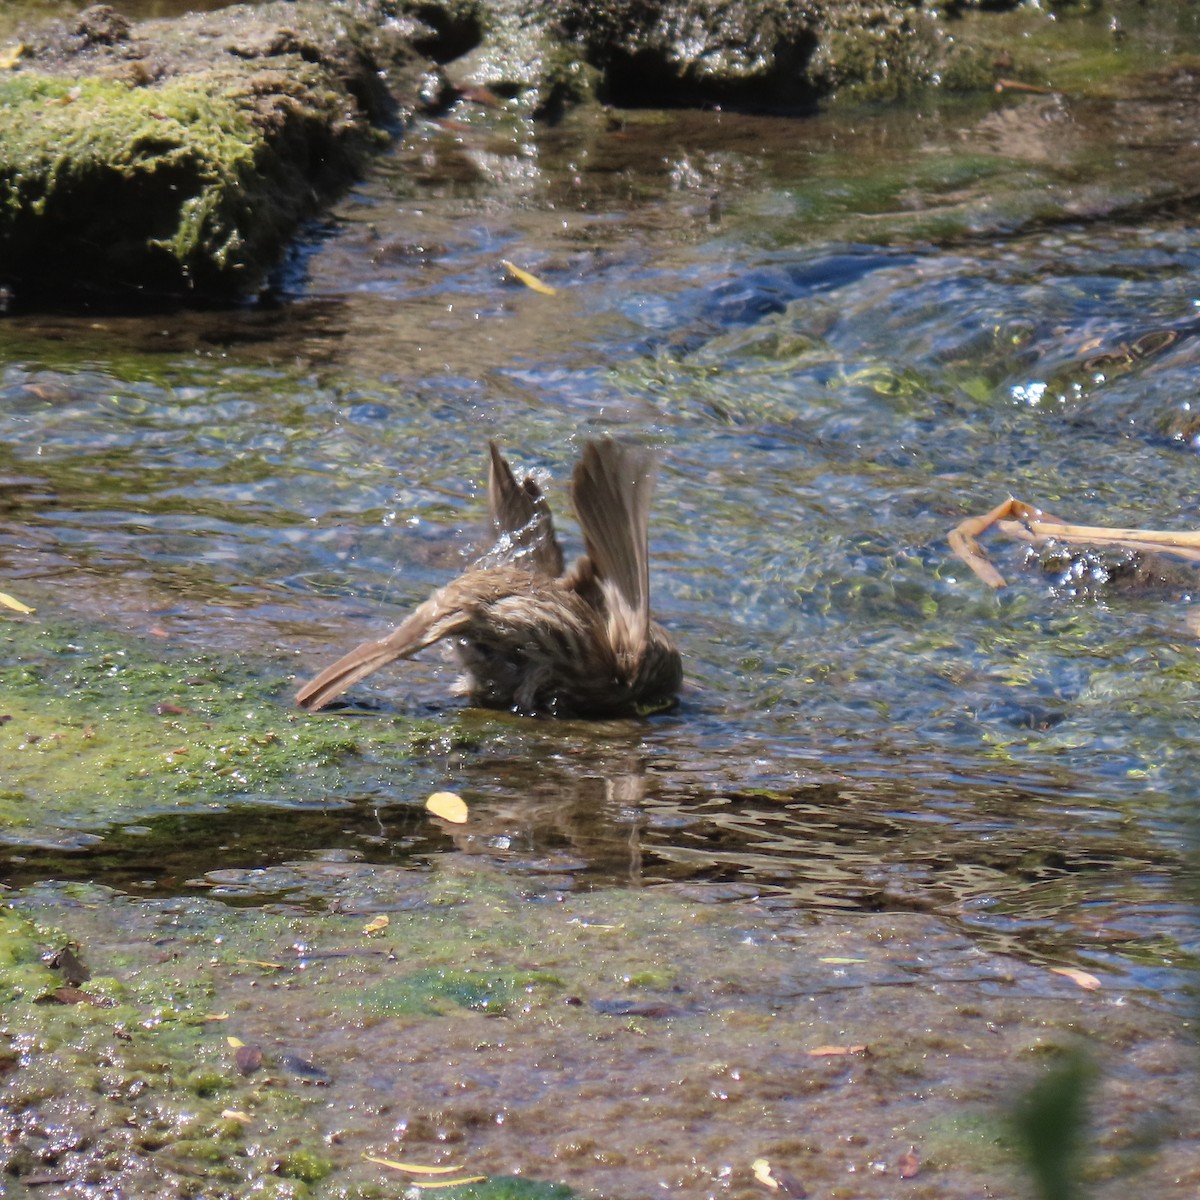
843	334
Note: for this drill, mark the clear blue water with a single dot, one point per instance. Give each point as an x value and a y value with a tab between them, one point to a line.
843	335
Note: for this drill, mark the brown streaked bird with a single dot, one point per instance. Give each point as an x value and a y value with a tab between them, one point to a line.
529	636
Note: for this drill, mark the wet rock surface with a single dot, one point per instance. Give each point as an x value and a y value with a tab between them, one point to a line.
761	54
179	156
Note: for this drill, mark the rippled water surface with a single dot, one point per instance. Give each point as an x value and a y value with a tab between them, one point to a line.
843	335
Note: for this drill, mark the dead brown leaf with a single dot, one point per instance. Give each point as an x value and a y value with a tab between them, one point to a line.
248	1059
1080	978
66	960
71	995
909	1164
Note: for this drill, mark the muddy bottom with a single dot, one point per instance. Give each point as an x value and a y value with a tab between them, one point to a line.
623	1042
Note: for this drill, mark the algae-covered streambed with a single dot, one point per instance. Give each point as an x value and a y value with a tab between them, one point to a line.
818	915
461	1019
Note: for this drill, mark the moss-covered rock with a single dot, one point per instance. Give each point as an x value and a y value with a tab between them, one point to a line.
770	55
629	53
180	156
765	54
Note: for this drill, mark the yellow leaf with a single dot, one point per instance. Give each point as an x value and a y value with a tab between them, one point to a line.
448	806
762	1172
232	1114
830	1051
376	924
222	1016
258	962
530	281
1080	978
71	95
235	1042
842	960
411	1168
15	604
11	55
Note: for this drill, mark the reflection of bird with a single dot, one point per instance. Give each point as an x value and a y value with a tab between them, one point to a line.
529	636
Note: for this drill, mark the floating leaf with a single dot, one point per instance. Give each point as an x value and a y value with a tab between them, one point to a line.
447	1183
1079	978
652	1009
233	1114
248	1059
831	1051
65	959
448	806
411	1168
762	1172
73	995
789	1185
235	1042
12	602
842	960
909	1164
70	96
304	1068
530	281
377	925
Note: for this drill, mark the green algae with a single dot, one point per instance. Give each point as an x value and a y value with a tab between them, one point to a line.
144	1073
179	156
509	1187
161	1063
304	1165
439	990
96	730
22	972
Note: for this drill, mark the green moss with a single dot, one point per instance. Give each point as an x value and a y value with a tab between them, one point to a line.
80	151
653	979
509	1187
186	166
100	731
23	976
305	1166
437	990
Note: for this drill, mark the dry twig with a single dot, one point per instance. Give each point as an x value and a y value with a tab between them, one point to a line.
1031	524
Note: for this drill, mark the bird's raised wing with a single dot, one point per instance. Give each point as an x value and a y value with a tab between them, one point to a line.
611	490
522	519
